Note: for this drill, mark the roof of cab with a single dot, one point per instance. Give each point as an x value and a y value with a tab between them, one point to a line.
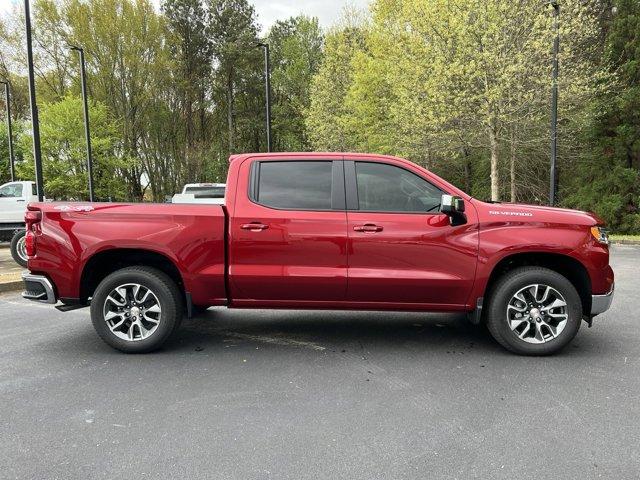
310	155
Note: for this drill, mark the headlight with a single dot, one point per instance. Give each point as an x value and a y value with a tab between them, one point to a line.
600	234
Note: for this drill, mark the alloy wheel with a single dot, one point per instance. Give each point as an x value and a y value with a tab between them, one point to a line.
132	312
537	313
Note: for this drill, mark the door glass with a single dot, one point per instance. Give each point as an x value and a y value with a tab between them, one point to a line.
387	188
11	190
295	185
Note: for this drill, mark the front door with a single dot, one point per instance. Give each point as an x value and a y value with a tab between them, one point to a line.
288	233
403	252
12	203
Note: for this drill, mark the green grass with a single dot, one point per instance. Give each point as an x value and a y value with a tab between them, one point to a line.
616	238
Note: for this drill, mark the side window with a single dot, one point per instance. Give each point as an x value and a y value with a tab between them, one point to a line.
34	190
11	190
387	188
294	185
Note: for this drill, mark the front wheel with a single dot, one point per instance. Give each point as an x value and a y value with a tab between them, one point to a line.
136	309
18	248
534	311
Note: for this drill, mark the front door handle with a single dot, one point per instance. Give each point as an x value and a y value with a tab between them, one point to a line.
368	228
254	226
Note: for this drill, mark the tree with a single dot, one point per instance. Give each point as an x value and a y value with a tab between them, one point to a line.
455	85
329	88
191	54
296	53
608	177
234	35
127	59
64	151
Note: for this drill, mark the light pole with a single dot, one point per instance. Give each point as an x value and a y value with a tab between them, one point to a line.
553	182
12	165
83	80
35	123
267	88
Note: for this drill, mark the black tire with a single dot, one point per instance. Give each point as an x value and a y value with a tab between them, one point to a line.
511	283
166	293
17	248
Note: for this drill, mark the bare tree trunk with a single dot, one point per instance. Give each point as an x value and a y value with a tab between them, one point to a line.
495	181
512	165
467	175
467	169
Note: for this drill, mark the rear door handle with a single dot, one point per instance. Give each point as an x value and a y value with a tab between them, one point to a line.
254	226
368	228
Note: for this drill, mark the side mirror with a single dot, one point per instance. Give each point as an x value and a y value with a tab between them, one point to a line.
454	208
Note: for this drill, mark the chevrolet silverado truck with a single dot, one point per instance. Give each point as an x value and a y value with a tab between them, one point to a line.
323	231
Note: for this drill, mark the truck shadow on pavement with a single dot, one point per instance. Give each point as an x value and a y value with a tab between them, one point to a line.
333	331
287	332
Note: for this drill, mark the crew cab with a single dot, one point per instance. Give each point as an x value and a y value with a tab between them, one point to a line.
323	231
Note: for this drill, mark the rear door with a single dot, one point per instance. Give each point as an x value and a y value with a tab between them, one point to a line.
403	251
288	233
12	202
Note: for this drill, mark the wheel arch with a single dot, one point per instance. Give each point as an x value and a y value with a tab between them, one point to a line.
565	265
108	261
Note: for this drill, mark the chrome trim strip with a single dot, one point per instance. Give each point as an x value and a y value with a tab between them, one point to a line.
47	297
601	303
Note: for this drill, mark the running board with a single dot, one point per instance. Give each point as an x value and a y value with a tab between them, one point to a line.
68	308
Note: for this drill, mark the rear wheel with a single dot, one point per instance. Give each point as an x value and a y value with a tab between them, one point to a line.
534	311
18	248
136	309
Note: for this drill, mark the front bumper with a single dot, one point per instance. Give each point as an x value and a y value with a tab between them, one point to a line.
601	303
38	288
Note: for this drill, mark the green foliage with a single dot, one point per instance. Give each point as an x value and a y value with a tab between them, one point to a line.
463	88
183	86
329	89
4	160
296	53
64	151
608	180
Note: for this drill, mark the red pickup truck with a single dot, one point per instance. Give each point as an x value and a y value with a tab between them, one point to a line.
323	231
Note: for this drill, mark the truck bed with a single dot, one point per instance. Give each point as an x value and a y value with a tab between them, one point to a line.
192	237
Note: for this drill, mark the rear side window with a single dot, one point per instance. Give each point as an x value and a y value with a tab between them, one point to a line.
387	188
294	185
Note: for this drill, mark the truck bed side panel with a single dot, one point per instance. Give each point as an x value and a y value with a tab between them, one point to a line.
191	236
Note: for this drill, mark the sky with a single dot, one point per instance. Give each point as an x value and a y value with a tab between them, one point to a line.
327	11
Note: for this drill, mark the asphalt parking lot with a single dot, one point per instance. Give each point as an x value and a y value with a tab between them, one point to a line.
297	395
